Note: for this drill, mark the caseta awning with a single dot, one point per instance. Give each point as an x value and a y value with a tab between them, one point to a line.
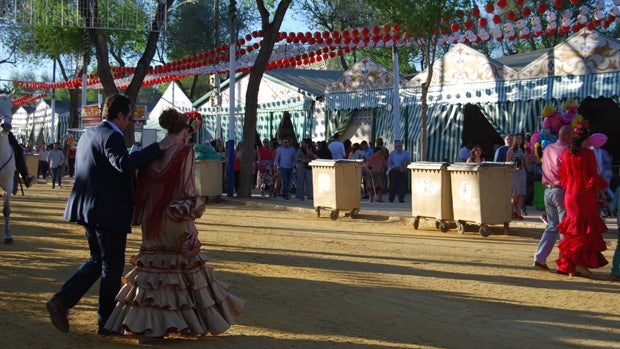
549	88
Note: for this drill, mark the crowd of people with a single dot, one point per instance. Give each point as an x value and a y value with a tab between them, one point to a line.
282	168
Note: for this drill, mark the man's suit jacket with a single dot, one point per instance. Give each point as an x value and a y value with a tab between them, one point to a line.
103	193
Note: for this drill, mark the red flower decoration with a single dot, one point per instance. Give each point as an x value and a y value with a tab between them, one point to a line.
541	8
194	119
489	7
511	16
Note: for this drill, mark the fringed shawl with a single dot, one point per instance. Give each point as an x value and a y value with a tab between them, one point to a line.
156	190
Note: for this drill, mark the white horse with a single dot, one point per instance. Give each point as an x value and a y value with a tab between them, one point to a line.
7	162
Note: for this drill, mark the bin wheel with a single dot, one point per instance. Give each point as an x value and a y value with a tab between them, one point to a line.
484	230
444	226
416	222
354	213
437	225
334	214
506	227
460	227
318	212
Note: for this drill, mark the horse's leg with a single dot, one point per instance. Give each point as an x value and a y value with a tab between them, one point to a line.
6	211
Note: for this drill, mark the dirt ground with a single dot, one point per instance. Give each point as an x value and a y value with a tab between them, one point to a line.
316	283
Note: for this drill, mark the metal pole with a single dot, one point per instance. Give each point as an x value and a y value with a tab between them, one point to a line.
218	95
396	96
230	183
53	130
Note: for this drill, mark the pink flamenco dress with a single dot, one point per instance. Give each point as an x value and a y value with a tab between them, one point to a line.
582	227
170	289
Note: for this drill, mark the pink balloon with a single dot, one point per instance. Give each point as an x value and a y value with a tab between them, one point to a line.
597	139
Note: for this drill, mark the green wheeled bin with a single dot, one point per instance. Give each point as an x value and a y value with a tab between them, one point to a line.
539	195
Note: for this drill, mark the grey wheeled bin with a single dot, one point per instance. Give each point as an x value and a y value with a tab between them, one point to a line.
336	186
481	194
208	178
431	193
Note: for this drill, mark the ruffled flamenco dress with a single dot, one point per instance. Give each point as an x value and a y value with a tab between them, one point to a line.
170	289
582	227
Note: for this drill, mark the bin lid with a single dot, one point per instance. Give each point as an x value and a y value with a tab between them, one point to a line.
328	162
490	165
427	165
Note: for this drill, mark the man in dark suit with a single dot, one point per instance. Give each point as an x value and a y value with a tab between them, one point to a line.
102	201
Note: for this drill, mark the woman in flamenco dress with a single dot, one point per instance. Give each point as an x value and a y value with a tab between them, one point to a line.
582	228
170	289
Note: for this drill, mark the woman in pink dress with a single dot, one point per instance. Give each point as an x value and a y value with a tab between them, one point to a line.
582	228
170	288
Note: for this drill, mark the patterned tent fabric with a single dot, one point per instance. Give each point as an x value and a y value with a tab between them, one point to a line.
586	65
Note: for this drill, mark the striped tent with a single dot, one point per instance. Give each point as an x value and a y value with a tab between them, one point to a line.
300	92
510	98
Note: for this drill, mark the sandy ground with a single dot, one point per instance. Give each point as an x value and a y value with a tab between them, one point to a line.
316	283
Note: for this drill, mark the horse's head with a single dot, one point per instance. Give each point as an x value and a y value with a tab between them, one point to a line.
6	112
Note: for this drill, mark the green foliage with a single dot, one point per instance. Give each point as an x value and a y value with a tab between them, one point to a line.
338	14
191	28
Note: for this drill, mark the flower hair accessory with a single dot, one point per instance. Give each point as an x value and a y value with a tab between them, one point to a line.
194	120
581	128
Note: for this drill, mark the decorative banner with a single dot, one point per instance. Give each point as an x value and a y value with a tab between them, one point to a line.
499	20
91	115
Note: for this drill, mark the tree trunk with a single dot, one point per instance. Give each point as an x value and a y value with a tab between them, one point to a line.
270	35
424	116
98	37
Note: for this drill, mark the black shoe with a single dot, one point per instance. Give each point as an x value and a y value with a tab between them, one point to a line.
29	180
103	332
401	201
58	314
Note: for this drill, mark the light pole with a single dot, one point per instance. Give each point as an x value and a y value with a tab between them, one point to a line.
230	183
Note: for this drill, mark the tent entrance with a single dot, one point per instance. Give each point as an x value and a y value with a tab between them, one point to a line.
478	130
604	117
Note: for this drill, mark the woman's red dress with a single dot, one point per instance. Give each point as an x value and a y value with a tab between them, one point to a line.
582	227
